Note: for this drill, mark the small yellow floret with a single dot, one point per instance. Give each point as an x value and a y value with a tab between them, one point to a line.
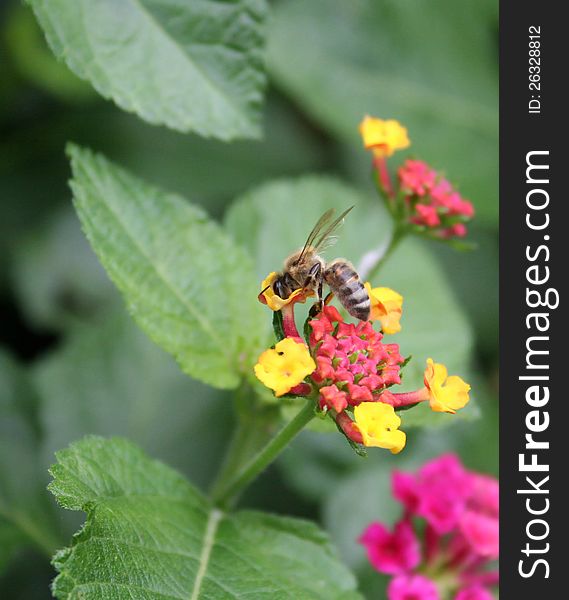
386	307
383	137
379	426
284	366
446	394
275	302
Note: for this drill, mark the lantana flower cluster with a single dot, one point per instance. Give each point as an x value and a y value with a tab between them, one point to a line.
350	370
446	542
423	201
432	202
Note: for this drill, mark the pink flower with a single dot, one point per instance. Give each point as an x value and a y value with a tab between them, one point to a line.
479	524
456	230
460	537
352	360
442	189
432	202
332	397
405	490
485	494
438	492
320	327
481	532
475	592
426	215
412	587
391	553
358	393
416	177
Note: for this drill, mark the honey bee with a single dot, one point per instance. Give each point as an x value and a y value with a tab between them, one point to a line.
305	269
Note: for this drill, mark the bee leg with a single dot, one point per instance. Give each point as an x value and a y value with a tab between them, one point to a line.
314	310
313	275
317	307
328	298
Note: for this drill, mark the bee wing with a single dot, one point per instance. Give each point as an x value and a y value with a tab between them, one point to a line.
325	238
320	224
327	243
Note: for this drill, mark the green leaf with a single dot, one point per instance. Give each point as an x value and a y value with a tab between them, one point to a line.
149	534
57	277
191	66
274	220
342	60
188	286
54	271
34	61
26	516
111	379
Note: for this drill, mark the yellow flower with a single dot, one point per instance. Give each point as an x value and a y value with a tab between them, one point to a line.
275	302
446	394
284	366
386	307
379	426
383	137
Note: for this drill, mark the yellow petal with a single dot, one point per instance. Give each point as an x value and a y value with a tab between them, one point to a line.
446	394
386	307
379	425
383	137
284	366
275	302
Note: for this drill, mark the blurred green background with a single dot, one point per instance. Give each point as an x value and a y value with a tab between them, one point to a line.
71	360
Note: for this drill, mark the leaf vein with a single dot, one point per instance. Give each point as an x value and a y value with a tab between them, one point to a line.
214	519
205	323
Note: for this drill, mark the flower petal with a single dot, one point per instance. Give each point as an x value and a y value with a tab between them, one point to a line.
386	307
383	137
446	394
274	302
379	426
283	367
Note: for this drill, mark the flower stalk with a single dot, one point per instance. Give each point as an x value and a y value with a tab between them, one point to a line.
383	177
378	258
227	493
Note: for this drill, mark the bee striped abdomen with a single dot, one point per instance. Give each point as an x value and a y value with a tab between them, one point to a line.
345	283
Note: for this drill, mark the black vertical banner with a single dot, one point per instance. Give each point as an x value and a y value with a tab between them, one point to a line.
534	259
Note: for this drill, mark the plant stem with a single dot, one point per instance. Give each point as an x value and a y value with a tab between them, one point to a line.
250	435
256	424
374	260
225	494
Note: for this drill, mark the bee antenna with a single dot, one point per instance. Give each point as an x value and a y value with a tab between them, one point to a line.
263	291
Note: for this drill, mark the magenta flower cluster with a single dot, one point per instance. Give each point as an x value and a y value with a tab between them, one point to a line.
460	535
434	203
353	364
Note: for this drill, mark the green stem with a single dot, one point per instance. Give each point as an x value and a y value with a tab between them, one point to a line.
251	433
225	494
398	235
256	424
